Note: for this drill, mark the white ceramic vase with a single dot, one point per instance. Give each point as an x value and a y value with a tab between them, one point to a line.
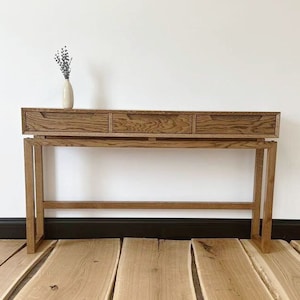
68	97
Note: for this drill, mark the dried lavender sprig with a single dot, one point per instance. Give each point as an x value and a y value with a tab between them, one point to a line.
64	61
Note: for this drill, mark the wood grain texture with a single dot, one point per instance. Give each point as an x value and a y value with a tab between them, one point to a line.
251	124
39	189
17	267
147	264
30	196
76	269
266	231
225	271
257	192
279	269
68	122
153	143
41	121
8	248
296	245
159	270
152	123
146	205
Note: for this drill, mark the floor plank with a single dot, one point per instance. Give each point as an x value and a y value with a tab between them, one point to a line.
175	266
18	266
225	271
296	245
139	259
154	269
149	269
280	269
76	269
9	247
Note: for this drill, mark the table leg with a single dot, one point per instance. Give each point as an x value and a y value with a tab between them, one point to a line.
30	199
268	204
39	191
257	191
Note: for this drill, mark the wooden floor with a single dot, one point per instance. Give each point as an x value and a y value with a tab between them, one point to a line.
141	269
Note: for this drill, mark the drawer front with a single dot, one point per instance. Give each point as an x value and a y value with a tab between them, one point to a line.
152	123
256	125
62	123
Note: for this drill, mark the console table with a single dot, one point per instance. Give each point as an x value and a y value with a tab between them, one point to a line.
150	129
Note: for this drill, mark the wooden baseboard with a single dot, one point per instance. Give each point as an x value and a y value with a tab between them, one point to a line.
167	228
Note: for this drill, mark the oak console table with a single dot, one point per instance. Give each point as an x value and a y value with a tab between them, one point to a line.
150	129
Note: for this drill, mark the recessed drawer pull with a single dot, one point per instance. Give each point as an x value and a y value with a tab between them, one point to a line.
236	118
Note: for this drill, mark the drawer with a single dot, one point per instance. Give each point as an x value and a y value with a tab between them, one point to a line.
64	122
152	123
238	124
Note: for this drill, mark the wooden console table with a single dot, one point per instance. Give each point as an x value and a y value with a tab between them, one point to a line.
150	129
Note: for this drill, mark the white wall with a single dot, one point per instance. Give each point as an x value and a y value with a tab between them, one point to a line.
151	54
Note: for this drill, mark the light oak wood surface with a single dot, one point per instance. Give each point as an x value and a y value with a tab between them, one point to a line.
280	269
296	245
147	205
76	269
225	271
17	267
183	124
8	248
152	269
159	270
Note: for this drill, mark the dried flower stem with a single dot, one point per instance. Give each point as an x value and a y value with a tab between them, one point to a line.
64	61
